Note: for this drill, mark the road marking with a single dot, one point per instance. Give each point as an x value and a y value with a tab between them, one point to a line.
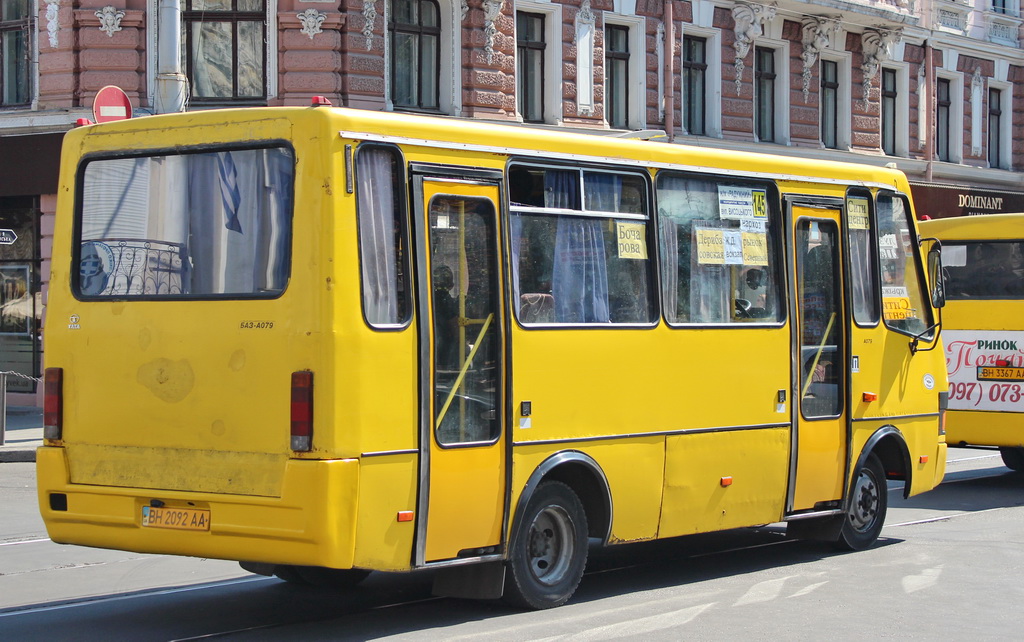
926	579
762	591
641	626
89	601
25	541
945	517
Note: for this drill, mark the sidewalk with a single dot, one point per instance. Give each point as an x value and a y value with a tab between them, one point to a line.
23	433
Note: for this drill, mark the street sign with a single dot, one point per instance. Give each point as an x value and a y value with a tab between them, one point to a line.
111	104
8	237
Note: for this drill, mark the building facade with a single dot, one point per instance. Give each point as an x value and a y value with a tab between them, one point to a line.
932	86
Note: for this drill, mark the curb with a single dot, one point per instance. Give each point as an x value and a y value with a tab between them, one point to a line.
17	455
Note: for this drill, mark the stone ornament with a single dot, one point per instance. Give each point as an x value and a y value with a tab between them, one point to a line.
52	24
818	32
492	9
311	20
877	45
369	17
110	20
750	21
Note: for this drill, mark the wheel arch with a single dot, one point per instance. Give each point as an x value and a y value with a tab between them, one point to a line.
585	477
890	446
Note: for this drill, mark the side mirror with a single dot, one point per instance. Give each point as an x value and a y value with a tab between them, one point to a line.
935	276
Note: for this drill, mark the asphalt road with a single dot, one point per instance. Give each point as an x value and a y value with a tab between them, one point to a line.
947	566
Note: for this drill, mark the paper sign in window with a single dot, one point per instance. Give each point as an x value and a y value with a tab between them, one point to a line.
857	213
755	249
735	202
732	247
632	241
710	250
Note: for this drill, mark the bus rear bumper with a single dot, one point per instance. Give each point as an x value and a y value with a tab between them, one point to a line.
312	523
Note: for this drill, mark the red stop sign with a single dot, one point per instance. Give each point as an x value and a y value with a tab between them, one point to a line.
111	104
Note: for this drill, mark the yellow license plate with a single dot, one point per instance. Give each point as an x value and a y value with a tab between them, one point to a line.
1000	373
185	519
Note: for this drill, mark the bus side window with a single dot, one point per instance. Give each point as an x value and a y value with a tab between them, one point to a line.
717	254
586	268
382	236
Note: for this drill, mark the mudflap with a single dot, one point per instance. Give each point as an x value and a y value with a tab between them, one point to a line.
484	581
826	529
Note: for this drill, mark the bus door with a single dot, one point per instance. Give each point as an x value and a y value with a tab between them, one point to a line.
462	437
821	407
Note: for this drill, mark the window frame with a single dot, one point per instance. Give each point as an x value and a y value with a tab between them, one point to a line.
527	86
637	85
874	286
76	252
918	265
24	27
776	237
418	31
887	110
551	106
1004	157
943	118
403	263
829	104
234	17
765	89
647	218
617	85
690	93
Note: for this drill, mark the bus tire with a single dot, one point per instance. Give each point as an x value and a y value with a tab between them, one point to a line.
549	549
1013	457
868	502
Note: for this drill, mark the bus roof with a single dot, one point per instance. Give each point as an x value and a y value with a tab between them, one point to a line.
970	228
516	139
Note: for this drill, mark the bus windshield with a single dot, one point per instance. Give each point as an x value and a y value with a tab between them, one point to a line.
983	269
185	225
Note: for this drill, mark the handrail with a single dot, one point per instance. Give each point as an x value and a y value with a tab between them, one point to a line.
462	372
817	356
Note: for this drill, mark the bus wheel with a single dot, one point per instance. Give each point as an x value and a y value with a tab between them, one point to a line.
1013	457
549	549
868	501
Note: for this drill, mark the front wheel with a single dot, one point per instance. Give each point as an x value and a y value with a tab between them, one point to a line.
549	549
868	502
1013	457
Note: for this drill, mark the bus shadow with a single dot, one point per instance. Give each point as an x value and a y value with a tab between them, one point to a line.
967	491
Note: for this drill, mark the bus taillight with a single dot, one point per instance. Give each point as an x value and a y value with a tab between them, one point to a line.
302	411
53	403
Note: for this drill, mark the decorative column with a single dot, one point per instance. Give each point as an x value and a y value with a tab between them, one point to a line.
584	37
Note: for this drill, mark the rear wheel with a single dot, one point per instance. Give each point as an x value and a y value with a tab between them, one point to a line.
549	549
868	502
1013	457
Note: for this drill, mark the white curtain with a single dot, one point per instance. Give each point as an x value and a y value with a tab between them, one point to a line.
377	233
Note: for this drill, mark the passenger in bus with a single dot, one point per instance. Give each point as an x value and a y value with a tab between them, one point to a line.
446	319
996	270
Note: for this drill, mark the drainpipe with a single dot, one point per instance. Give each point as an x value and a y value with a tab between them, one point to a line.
171	84
929	101
670	53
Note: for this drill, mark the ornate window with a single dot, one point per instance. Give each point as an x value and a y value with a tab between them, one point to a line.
942	105
995	127
830	104
889	96
530	47
616	43
764	94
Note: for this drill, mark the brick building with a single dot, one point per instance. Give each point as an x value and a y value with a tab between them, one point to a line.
933	86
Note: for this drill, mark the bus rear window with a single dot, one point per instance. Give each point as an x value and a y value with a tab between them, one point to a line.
193	225
983	269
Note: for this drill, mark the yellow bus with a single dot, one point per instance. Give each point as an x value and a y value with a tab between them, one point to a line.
983	330
323	342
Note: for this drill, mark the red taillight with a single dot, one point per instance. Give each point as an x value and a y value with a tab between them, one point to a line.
53	403
302	411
